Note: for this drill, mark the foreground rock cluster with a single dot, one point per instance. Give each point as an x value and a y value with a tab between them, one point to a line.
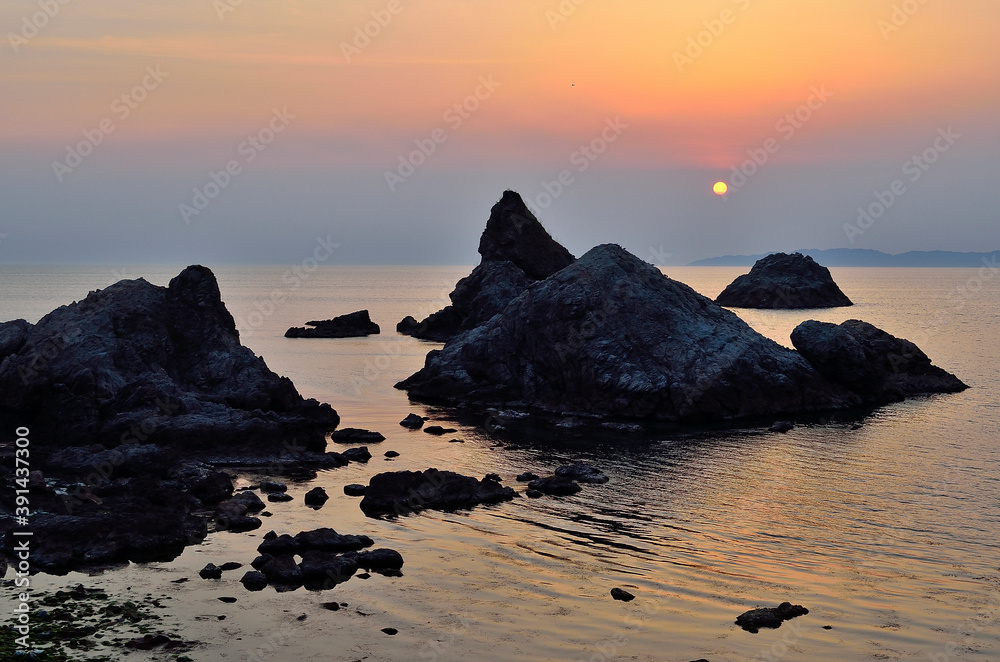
609	337
132	397
784	281
326	558
136	362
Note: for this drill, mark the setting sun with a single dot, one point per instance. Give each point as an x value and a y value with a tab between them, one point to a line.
720	188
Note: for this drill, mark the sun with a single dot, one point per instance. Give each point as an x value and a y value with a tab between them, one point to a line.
720	188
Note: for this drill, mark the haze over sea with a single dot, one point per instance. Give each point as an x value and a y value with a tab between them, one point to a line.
887	533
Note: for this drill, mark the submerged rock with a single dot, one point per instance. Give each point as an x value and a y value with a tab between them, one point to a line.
769	617
516	251
874	364
555	485
162	365
405	492
784	281
583	473
612	336
352	325
622	594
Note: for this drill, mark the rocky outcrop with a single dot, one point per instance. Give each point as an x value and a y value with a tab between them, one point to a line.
352	325
328	559
405	492
516	251
136	362
874	364
769	617
784	281
612	336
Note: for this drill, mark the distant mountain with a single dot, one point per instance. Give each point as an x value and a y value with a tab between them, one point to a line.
862	257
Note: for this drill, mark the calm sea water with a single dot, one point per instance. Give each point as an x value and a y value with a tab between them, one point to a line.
887	533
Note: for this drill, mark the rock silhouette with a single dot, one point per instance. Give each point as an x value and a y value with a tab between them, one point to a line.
136	362
516	251
611	336
784	281
352	325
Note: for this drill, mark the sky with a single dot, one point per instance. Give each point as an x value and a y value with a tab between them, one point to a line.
244	131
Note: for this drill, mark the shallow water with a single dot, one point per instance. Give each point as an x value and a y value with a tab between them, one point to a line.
886	533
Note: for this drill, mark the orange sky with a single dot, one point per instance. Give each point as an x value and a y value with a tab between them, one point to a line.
559	79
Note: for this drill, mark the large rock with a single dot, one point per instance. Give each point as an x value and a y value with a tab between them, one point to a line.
610	335
784	281
352	325
878	366
516	251
405	492
136	362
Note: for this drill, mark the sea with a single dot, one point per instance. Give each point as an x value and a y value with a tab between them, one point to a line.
887	531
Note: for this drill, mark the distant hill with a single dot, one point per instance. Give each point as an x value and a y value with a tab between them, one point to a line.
862	257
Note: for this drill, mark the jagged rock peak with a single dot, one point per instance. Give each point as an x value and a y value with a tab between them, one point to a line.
514	234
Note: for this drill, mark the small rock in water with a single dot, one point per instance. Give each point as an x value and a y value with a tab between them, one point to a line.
231	565
357	436
622	594
437	430
390	631
782	426
317	496
361	454
526	477
769	617
391	454
254	581
555	485
456	441
533	494
227	600
210	571
279	496
827	627
302	617
332	606
413	422
354	489
272	486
